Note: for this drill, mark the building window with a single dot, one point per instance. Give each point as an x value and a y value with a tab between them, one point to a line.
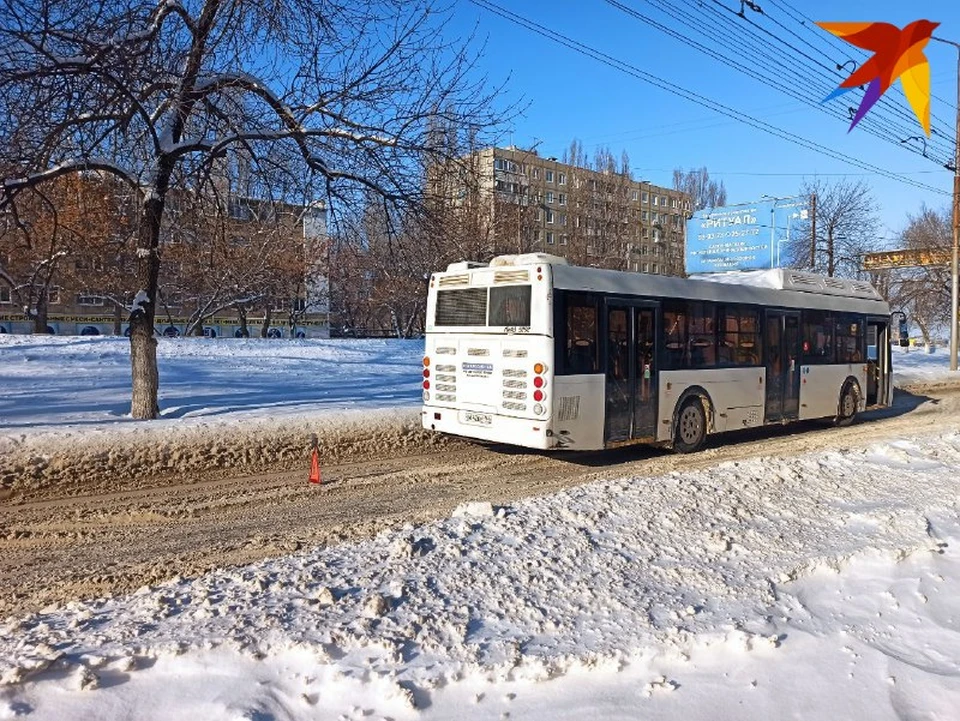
6	294
539	215
646	267
563	239
83	299
673	202
663	200
656	200
634	194
656	268
549	215
645	233
549	237
549	176
550	196
561	178
656	217
53	296
645	215
644	197
535	173
562	198
563	218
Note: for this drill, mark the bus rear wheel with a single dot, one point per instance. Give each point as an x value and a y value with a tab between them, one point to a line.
691	427
847	409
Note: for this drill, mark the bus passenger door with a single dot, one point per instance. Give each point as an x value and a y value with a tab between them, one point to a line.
619	401
782	360
645	394
631	371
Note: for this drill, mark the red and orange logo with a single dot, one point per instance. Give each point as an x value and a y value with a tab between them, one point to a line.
897	54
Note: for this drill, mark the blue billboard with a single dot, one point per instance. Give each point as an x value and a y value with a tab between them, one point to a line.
751	236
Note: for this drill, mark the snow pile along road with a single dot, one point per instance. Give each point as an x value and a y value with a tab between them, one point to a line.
228	405
824	586
245	404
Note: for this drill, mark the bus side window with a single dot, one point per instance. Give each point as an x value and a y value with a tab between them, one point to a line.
581	340
675	336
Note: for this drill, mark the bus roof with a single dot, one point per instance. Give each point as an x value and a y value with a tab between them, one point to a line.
796	289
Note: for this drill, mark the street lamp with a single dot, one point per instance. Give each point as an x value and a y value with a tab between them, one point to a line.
955	284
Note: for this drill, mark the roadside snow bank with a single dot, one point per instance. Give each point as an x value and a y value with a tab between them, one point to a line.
103	461
769	586
240	404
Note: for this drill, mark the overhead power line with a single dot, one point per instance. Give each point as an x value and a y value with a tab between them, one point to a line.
692	96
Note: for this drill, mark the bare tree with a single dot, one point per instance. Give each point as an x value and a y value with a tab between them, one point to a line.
843	227
67	233
336	93
703	192
924	293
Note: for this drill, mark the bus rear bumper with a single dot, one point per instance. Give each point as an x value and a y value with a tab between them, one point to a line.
526	432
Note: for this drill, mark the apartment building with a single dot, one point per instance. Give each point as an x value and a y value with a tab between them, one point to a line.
226	272
592	217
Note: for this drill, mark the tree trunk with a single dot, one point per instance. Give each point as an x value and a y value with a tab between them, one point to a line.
830	261
40	318
143	344
267	317
242	314
117	319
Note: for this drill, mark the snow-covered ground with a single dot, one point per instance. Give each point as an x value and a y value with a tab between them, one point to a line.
824	586
64	384
66	381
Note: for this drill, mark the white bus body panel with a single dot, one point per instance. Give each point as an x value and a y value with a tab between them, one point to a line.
481	385
578	411
820	387
737	395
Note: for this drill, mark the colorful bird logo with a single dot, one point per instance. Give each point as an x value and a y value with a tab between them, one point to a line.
897	54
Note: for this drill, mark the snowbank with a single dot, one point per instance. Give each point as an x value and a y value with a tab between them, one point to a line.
248	405
825	586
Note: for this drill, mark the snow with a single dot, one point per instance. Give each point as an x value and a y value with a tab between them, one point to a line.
819	586
66	383
141	299
62	384
824	586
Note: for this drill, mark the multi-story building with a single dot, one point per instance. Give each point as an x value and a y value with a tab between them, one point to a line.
232	271
592	217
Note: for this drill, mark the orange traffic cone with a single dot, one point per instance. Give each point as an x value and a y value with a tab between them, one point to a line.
315	467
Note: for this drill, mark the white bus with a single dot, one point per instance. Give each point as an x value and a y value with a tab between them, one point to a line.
534	352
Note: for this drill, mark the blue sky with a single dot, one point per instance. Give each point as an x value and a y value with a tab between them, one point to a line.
568	95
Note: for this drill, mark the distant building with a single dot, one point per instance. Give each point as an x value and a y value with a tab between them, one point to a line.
279	249
594	218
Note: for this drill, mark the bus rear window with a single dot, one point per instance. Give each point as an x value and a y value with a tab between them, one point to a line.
467	306
510	305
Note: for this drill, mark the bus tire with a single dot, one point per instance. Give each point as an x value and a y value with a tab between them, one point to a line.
847	406
691	430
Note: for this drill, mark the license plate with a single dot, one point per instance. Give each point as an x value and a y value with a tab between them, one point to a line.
478	419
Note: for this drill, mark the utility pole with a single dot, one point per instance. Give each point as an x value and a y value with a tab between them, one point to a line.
955	284
813	232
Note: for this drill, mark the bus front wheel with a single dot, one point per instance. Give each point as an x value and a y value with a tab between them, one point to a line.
847	409
691	427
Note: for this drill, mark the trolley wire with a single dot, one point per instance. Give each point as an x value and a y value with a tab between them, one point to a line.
692	96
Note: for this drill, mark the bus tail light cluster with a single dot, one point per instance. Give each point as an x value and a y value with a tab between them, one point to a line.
426	378
539	383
